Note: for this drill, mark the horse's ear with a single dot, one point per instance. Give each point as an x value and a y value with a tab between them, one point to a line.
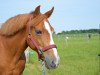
37	10
48	13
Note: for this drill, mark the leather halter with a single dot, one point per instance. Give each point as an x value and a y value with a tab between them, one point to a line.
33	42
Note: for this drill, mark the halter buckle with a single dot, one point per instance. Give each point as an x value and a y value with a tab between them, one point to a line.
40	51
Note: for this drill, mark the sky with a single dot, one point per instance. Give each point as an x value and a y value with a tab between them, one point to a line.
67	15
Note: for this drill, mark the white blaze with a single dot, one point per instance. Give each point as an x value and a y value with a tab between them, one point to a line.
47	27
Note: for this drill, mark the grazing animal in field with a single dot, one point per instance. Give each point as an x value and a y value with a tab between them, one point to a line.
17	33
89	36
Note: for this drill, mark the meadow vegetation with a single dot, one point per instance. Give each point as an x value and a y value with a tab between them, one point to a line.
78	56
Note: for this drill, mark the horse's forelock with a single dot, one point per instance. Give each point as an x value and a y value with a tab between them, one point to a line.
14	24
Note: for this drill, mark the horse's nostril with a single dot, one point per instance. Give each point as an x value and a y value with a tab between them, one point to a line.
53	64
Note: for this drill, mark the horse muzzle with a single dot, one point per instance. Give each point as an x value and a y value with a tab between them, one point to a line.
52	63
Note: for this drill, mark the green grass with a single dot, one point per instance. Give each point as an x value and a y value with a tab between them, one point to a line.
78	56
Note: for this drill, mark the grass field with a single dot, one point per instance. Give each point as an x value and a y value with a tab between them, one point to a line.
78	56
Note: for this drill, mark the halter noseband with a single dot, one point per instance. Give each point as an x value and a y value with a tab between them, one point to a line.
33	42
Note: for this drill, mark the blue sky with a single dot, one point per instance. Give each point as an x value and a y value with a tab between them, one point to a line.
68	14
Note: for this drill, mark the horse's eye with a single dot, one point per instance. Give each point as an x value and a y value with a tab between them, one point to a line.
38	32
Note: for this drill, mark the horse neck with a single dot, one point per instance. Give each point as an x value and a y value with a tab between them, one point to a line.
14	46
16	42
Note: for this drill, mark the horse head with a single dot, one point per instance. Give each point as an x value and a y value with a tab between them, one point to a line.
40	37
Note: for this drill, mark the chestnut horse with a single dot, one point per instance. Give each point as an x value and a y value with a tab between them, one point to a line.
17	33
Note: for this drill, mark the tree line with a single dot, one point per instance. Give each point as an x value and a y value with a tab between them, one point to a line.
80	31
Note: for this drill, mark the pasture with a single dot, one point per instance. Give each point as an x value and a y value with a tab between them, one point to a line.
78	56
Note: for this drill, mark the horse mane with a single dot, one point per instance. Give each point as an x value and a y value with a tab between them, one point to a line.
14	24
